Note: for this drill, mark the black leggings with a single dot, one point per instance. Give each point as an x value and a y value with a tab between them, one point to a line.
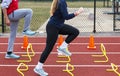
52	35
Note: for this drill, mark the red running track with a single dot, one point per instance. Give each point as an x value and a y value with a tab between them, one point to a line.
81	59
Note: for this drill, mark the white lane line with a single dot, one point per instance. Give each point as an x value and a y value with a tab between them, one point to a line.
55	66
57	43
65	37
71	52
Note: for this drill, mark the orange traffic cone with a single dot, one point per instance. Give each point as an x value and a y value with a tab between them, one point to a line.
25	42
60	40
91	43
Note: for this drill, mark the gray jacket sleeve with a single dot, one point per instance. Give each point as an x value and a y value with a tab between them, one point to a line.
5	3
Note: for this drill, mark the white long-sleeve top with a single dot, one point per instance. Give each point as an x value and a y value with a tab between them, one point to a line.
5	3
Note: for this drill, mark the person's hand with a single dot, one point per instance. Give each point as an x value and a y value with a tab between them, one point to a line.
79	11
7	21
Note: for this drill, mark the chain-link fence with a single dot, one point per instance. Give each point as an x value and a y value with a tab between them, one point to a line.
115	14
98	16
94	18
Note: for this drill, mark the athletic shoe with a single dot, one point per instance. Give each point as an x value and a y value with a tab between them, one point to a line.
59	53
64	51
7	56
40	72
29	32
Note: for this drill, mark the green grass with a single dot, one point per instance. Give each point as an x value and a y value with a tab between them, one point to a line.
41	12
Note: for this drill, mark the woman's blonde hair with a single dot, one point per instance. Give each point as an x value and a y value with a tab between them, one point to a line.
53	7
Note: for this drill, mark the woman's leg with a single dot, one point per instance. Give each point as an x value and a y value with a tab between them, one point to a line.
72	34
13	31
23	13
52	35
27	15
71	31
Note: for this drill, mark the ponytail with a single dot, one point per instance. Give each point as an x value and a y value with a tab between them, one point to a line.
53	7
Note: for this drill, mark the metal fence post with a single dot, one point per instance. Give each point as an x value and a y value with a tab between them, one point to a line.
94	28
3	30
114	14
2	18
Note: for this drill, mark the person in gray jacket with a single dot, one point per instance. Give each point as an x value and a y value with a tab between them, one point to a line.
12	15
